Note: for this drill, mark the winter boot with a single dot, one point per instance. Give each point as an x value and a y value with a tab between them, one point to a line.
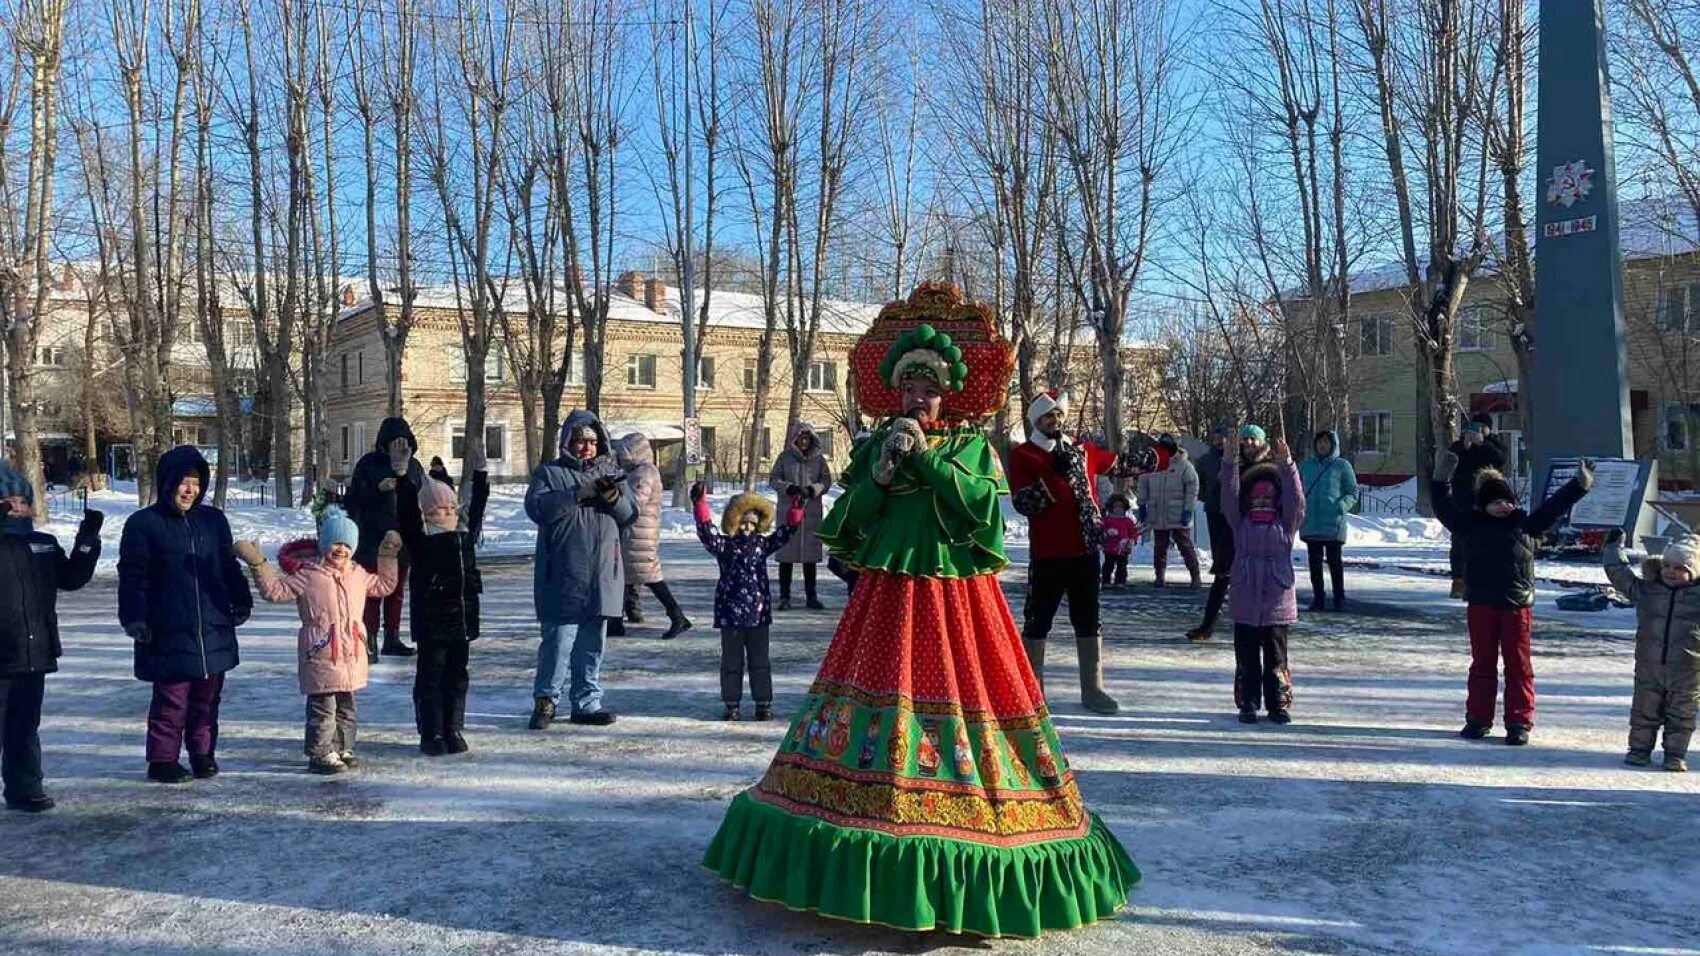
616	627
1198	634
733	712
1197	582
594	718
1516	735
432	746
764	711
1280	717
454	743
675	627
349	760
1316	601
393	647
1638	758
1339	602
814	604
1474	731
41	803
1675	764
1092	696
328	765
542	714
203	767
371	648
1036	660
1248	716
168	771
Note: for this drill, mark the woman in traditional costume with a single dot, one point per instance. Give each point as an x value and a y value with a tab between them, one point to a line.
954	809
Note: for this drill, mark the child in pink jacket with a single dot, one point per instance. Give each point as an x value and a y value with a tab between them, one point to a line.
330	592
1120	535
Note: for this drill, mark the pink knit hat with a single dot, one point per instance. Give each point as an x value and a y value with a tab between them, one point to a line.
434	494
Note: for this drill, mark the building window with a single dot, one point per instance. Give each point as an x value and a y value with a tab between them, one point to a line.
51	356
1678	419
823	377
360	368
243	382
708	444
492	365
749	375
1679	308
1375	432
575	369
345	372
705	373
1472	333
640	371
49	409
1375	334
495	442
345	449
239	336
766	443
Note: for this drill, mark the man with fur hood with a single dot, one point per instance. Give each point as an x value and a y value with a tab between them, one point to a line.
1053	481
371	502
1499	540
579	503
641	542
1167	499
801	472
1667	647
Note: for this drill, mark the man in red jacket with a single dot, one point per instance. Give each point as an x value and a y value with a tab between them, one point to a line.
1053	481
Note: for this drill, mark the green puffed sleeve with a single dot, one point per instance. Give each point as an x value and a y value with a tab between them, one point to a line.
859	506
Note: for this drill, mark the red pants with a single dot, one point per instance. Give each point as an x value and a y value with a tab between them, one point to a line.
1496	632
387	610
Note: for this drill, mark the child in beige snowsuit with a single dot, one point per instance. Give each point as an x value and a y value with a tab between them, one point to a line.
1667	647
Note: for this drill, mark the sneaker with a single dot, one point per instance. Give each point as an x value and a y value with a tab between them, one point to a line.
1676	764
36	804
677	627
733	712
764	711
432	746
454	743
1638	758
203	768
1248	716
1280	717
1474	731
594	718
168	771
1198	635
328	765
542	714
1516	735
349	760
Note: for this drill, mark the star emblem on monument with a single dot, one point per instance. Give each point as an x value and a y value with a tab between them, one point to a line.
1570	184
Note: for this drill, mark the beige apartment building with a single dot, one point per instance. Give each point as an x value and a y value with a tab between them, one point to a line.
1662	333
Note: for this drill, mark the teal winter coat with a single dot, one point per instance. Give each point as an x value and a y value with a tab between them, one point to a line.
1331	492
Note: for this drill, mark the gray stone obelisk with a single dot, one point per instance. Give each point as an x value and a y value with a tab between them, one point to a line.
1580	380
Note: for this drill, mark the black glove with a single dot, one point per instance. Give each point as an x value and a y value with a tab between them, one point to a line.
239	616
697	492
1585	474
92	521
793	491
808	492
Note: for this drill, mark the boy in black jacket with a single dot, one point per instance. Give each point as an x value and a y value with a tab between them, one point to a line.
33	569
444	582
1499	586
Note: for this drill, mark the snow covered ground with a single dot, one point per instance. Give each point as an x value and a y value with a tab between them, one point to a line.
1367	826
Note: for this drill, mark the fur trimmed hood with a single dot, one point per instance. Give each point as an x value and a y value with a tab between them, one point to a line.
741	505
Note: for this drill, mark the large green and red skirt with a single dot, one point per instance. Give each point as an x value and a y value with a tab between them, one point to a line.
922	786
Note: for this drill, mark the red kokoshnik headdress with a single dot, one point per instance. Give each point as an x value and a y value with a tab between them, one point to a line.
955	341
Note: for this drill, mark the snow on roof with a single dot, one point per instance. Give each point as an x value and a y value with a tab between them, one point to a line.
1503	387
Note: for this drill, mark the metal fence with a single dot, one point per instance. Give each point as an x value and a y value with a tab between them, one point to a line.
1392	506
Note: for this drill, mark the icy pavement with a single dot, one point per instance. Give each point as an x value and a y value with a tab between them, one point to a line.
1365	827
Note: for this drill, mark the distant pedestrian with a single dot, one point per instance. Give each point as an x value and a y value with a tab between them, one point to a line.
1667	647
1120	535
801	471
1247	454
642	539
33	570
1499	586
743	599
181	597
440	472
329	592
1478	450
1167	501
1331	492
1266	506
371	502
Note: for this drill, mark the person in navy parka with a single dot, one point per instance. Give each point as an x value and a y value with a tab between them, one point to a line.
181	597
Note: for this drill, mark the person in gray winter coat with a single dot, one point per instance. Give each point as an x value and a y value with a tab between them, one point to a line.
1167	500
1667	647
579	503
801	471
641	542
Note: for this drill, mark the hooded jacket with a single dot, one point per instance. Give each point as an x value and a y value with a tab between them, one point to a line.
178	576
33	570
1167	497
443	580
1487	454
743	598
579	574
1263	593
810	472
642	541
330	647
1331	492
1500	564
1667	641
372	509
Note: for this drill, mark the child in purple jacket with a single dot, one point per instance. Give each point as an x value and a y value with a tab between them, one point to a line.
743	600
1266	506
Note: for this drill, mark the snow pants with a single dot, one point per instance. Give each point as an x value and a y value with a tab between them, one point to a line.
1261	677
1049	580
20	742
738	646
331	724
184	712
1497	632
1666	697
439	688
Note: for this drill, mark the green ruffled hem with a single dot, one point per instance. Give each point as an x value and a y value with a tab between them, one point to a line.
920	884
